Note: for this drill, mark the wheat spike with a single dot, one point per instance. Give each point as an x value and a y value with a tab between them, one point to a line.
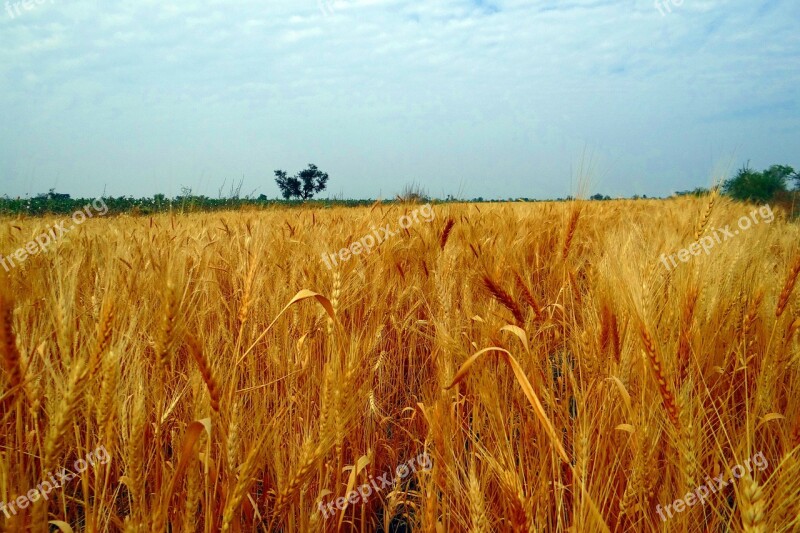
167	331
664	387
572	225
65	331
527	295
702	224
65	414
103	335
788	286
504	298
247	295
190	512
753	506
206	370
106	410
135	460
8	343
232	450
685	333
477	512
446	233
243	483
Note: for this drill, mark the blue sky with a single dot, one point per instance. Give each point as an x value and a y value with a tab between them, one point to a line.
488	98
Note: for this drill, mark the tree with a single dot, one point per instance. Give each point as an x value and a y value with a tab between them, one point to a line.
754	186
53	195
698	191
289	186
304	185
782	173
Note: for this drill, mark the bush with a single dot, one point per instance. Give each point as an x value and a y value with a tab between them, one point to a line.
753	186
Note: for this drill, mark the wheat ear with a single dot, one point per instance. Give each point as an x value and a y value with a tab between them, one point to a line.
572	225
136	455
753	513
8	344
247	296
64	416
685	334
791	279
168	317
477	512
664	387
703	222
108	392
103	335
246	474
65	331
504	298
527	295
448	227
206	370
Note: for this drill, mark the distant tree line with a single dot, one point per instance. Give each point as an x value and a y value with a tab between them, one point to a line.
159	203
770	185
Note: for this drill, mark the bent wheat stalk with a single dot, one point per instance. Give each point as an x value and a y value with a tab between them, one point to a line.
302	295
538	409
527	389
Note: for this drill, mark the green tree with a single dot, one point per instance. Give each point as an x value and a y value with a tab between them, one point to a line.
304	185
754	186
780	172
698	191
289	186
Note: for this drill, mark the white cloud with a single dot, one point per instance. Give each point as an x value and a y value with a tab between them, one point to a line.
498	96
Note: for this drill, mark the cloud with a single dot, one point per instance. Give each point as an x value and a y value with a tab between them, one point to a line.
496	98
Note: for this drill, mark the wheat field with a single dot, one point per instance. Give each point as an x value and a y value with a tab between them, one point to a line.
548	369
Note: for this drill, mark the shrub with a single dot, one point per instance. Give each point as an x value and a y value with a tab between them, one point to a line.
750	185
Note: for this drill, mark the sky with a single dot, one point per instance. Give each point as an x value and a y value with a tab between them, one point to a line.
469	98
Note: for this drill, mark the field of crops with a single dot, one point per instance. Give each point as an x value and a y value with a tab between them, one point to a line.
460	367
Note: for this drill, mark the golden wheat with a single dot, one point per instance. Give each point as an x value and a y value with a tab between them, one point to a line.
240	385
